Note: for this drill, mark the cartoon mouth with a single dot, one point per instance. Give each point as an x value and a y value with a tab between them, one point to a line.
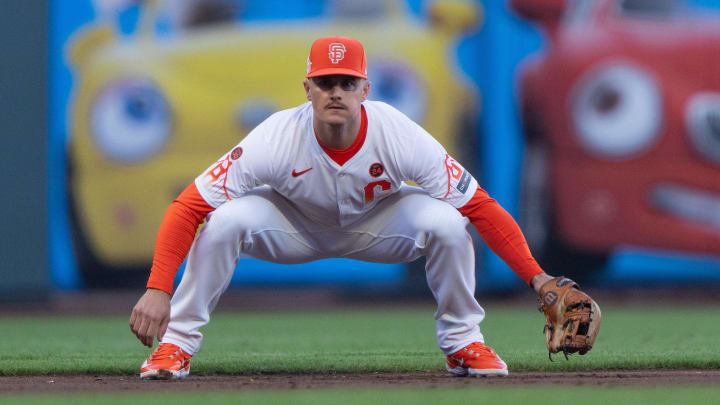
687	203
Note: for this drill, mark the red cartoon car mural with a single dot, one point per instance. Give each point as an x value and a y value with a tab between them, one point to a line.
622	116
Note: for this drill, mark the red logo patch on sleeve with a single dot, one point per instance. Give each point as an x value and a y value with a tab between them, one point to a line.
236	153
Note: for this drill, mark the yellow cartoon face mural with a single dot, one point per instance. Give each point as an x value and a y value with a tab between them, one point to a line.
148	113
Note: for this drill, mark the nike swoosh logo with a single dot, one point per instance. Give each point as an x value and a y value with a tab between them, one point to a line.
295	174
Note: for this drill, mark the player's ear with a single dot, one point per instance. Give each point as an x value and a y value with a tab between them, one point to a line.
365	89
306	85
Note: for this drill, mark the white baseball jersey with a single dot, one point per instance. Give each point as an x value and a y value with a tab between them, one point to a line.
315	208
283	152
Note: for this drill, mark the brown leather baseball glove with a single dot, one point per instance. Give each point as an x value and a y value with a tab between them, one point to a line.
572	318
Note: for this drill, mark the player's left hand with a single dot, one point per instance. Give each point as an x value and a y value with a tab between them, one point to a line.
150	316
572	318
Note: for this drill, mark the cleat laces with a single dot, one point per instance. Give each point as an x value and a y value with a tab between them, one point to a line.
166	351
478	349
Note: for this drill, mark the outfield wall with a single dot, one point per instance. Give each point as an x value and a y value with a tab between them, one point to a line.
104	211
23	164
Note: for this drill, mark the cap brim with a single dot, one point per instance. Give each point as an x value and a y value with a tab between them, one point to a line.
336	71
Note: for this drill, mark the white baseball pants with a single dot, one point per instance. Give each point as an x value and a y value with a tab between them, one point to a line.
401	228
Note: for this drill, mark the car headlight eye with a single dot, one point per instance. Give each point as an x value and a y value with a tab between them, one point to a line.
702	119
397	84
130	120
616	110
606	99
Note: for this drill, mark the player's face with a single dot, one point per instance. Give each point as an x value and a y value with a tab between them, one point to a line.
336	98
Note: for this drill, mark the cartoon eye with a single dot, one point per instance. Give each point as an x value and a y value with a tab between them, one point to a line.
252	112
398	85
702	119
130	120
616	110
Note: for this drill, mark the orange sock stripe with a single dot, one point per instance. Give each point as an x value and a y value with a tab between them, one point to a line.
175	236
501	233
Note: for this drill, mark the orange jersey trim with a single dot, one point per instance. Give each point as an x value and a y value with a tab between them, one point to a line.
340	156
501	233
175	236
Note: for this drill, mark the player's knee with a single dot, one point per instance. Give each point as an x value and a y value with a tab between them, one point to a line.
446	226
451	228
232	221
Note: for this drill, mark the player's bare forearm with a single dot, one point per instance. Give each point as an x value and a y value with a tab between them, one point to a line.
150	316
539	280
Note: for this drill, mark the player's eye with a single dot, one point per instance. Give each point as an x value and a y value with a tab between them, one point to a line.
328	83
324	83
348	84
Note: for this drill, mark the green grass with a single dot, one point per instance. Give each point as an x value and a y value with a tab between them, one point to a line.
360	340
504	395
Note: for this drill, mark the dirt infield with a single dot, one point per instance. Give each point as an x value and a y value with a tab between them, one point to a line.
207	383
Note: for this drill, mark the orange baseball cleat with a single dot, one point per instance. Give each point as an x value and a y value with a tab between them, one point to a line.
476	359
166	362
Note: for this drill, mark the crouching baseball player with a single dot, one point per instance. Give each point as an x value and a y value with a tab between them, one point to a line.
325	179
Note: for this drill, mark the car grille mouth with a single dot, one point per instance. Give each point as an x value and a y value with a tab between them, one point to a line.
698	206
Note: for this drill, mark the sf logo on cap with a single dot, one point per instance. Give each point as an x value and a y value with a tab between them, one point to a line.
336	52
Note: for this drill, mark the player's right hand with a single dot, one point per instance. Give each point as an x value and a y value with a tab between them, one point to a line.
151	316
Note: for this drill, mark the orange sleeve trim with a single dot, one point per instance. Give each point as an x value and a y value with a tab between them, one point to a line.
176	235
501	233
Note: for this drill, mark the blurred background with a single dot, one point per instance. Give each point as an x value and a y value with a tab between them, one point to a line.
595	123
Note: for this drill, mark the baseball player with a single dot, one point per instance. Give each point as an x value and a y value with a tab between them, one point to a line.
325	179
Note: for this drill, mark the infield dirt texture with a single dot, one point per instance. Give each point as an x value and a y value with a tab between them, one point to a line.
649	341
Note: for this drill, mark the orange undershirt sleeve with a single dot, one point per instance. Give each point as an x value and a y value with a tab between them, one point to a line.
500	231
176	235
